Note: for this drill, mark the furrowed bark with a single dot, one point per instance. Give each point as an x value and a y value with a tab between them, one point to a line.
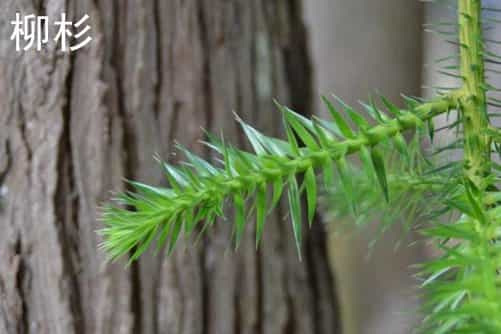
74	125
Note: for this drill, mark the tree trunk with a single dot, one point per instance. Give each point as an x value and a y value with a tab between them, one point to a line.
74	125
364	47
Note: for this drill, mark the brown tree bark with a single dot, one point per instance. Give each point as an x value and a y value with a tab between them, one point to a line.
74	125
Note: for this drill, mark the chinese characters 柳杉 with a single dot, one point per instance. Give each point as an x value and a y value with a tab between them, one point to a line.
33	32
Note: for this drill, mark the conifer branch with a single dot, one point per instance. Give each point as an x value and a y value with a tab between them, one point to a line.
198	190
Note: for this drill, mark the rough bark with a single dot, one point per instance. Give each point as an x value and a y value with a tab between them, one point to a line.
74	125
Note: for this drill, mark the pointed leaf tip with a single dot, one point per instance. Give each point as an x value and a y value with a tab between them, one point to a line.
311	193
379	167
295	211
343	126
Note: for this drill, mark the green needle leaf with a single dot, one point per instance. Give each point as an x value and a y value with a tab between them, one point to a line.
431	129
355	117
365	157
176	231
301	131
346	181
393	109
278	187
163	235
379	167
340	122
295	211
311	193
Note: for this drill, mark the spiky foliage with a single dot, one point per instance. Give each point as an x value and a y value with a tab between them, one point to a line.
457	200
198	190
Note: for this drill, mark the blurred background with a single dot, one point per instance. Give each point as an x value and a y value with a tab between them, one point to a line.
74	125
363	47
371	47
